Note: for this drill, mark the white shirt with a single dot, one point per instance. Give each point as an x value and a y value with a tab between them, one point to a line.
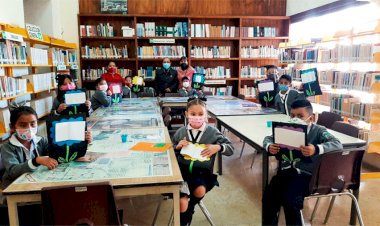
195	132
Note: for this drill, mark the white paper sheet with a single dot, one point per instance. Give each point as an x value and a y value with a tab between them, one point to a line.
75	98
116	89
308	77
70	131
194	152
266	86
198	78
288	137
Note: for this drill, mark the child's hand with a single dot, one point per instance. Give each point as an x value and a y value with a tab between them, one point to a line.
182	143
210	150
48	162
109	93
61	107
88	104
88	137
308	150
168	90
274	149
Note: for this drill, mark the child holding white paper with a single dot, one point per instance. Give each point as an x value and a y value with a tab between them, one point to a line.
197	174
102	96
286	95
64	82
291	184
186	90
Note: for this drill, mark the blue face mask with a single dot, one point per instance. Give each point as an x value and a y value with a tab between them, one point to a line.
166	65
283	87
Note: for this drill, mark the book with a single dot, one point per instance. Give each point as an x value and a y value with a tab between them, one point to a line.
253	72
210	52
42	106
39	56
260	52
161	51
218	72
102	52
40	82
10	87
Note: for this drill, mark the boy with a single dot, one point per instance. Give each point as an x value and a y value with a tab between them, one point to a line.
291	184
102	95
186	90
286	96
128	87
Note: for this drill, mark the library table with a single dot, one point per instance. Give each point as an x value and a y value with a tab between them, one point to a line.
253	129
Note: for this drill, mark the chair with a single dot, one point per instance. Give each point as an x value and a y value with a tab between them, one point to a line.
327	119
166	111
335	174
91	204
346	128
172	95
167	120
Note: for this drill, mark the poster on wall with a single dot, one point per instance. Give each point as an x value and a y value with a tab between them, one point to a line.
114	6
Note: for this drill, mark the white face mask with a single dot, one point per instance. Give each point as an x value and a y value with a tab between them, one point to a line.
27	134
103	88
296	120
186	84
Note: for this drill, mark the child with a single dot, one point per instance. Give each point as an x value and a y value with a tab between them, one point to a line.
101	97
199	180
127	88
186	90
65	82
286	96
291	184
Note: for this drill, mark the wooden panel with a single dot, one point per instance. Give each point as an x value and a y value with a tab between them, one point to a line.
89	6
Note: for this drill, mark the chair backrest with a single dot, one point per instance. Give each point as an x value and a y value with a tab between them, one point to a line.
167	120
166	111
208	93
327	119
145	95
149	90
241	96
81	204
336	170
346	128
172	95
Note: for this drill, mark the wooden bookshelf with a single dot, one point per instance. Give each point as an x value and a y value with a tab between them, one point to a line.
217	14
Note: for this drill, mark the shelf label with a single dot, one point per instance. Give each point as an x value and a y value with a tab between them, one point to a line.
162	41
61	67
74	67
215	82
34	31
12	37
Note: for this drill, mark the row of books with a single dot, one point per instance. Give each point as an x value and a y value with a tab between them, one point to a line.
102	30
219	91
148	73
61	56
207	30
210	52
248	91
348	80
42	106
93	74
161	51
150	29
350	107
214	73
340	53
252	72
42	81
12	53
5	116
102	52
258	31
12	86
259	52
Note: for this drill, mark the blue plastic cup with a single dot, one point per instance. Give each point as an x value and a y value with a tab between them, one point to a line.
124	138
269	124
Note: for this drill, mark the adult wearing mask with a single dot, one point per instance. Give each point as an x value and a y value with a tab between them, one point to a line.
166	80
185	70
112	77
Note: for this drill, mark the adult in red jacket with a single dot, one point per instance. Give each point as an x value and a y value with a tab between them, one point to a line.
112	77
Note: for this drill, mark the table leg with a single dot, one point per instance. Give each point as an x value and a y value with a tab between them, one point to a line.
176	207
12	211
353	215
265	169
219	155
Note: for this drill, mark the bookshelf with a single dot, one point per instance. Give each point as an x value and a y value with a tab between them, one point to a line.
27	68
210	42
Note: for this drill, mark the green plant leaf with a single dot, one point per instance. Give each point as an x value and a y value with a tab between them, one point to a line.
265	99
71	113
61	160
308	93
270	99
73	156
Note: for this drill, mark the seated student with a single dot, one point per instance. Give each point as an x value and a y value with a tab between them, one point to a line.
64	82
102	96
291	184
286	96
127	88
187	90
199	180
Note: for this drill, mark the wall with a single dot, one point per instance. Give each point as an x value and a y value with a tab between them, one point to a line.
13	13
69	10
298	6
40	14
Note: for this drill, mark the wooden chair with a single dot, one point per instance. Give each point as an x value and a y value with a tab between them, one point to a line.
327	119
346	128
335	174
92	204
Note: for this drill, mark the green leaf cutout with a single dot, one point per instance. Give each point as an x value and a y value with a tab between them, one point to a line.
73	156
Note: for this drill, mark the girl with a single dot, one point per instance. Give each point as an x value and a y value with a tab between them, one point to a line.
102	96
198	175
65	82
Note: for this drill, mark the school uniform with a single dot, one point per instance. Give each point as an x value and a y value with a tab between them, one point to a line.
127	92
100	99
166	78
284	101
189	93
18	160
291	184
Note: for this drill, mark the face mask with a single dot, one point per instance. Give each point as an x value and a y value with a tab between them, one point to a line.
103	88
283	87
166	65
69	86
112	70
186	84
26	134
196	121
184	66
299	121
